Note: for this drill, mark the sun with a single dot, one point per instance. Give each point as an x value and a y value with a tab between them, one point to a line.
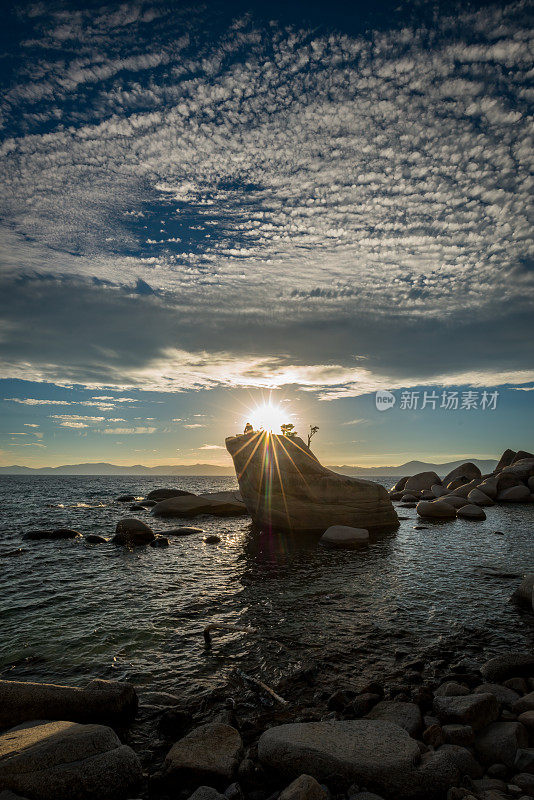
268	417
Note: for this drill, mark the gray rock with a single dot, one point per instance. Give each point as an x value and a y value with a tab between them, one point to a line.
479	498
509	665
438	491
506	697
527	719
525	703
165	494
471	511
206	793
499	743
462	735
99	701
455	501
463	491
477	710
525	781
451	689
344	536
438	509
439	770
55	533
467	472
67	761
422	480
524	760
132	532
304	788
210	752
516	494
406	715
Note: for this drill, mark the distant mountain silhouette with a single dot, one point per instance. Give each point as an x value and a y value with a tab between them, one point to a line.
410	468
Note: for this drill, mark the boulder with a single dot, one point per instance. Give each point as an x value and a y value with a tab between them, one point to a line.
506	459
499	743
461	735
516	494
94	538
225	504
99	701
467	471
477	710
136	507
523	469
530	483
524	760
132	532
525	703
67	761
524	780
521	455
304	788
435	510
423	480
446	767
438	491
471	511
344	536
210	752
451	689
508	665
408	498
401	483
525	591
527	719
455	501
55	533
489	487
478	497
406	715
165	494
506	697
159	541
456	483
207	793
212	539
463	491
303	495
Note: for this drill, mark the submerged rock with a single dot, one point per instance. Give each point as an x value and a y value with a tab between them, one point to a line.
302	494
471	511
217	504
64	760
159	541
344	536
212	539
125	498
132	532
94	538
55	533
186	531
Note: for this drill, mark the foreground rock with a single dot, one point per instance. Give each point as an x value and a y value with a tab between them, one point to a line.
471	511
344	536
499	743
476	710
165	494
99	701
132	532
303	495
304	788
67	761
209	753
508	665
217	504
55	533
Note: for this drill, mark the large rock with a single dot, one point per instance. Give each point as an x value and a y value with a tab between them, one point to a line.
164	494
516	494
401	483
455	501
506	696
524	593
99	701
479	498
132	532
499	743
67	761
467	471
217	504
506	459
285	487
405	715
477	710
423	480
305	787
344	536
508	665
437	509
471	511
521	455
489	487
523	469
525	703
436	491
463	491
54	533
210	752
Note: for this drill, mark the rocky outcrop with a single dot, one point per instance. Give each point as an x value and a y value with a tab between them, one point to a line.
65	761
285	487
217	504
99	701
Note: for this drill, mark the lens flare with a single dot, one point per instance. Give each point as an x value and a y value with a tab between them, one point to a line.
268	417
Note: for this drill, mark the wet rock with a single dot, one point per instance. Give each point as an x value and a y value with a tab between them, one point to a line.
212	539
125	498
499	743
193	506
99	701
516	494
55	533
409	498
148	503
344	536
94	538
210	752
477	710
506	697
422	480
478	497
462	735
436	510
304	788
467	472
165	494
64	760
406	715
523	704
159	541
132	532
509	665
451	689
184	531
471	511
304	495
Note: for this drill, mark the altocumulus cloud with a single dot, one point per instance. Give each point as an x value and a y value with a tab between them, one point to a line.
258	204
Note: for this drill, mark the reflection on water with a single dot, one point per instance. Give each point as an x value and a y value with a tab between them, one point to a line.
70	610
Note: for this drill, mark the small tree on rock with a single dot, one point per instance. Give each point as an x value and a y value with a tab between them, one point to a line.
288	430
313	431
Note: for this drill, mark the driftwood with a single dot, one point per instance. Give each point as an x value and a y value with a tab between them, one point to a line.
263	686
225	626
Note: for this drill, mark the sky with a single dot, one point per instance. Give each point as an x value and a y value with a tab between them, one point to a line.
209	206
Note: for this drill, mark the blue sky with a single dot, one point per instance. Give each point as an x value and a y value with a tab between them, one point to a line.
204	203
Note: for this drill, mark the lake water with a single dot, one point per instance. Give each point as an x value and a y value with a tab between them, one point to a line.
70	611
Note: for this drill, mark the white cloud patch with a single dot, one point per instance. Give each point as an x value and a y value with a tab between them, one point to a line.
124	431
211	447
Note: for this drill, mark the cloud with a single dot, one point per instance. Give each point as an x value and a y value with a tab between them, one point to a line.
211	447
30	425
124	431
194	425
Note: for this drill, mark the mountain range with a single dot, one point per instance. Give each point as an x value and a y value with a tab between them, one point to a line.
410	468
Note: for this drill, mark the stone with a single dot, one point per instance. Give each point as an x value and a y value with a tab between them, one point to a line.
521	455
471	511
523	704
506	697
65	760
304	788
375	753
451	689
401	483
406	715
499	743
469	471
165	494
463	491
438	490
530	483
477	710
526	718
132	532
447	766
303	494
99	701
461	735
428	494
518	685
506	459
185	531
55	533
524	760
455	501
523	469
489	487
193	506
433	736
212	539
206	793
94	538
509	665
137	507
159	541
362	704
478	497
210	752
409	498
125	498
525	781
515	494
344	536
436	510
422	480
523	593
